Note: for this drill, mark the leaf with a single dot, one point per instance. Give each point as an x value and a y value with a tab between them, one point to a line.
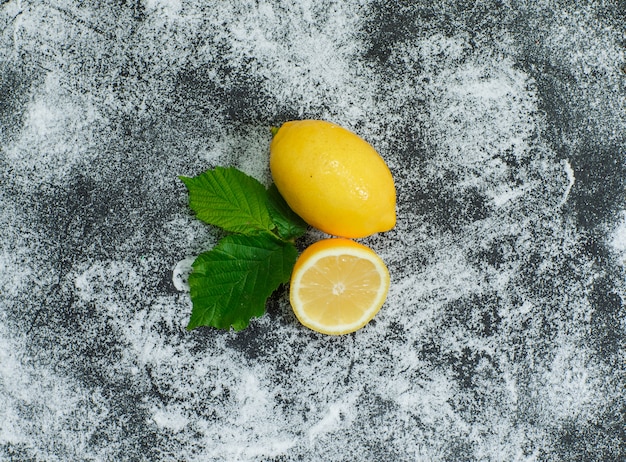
230	284
230	199
289	225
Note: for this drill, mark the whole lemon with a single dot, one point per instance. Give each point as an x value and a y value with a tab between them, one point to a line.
333	179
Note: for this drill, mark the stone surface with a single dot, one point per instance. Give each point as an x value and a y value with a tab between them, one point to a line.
504	334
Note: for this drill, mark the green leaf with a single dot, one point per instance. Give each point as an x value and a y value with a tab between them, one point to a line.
289	225
230	199
230	284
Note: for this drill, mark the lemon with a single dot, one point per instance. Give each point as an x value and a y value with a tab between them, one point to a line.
333	179
337	286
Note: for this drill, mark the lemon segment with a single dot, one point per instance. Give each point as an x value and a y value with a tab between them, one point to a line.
337	286
333	179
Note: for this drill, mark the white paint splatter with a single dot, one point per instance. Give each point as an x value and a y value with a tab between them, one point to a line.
571	179
181	273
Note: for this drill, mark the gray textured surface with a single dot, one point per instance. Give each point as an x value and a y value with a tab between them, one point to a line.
504	334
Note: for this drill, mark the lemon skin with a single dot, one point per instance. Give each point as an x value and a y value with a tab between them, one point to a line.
333	179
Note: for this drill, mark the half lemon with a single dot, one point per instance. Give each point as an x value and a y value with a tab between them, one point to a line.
337	286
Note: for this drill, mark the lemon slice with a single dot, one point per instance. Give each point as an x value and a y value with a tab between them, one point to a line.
338	286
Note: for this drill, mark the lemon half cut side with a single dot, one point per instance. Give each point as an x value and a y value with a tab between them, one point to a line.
337	286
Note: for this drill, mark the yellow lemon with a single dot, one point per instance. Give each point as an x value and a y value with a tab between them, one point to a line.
333	179
337	286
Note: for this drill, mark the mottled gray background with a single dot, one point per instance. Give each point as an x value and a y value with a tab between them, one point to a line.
504	334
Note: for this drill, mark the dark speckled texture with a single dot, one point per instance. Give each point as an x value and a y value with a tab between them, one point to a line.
504	334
